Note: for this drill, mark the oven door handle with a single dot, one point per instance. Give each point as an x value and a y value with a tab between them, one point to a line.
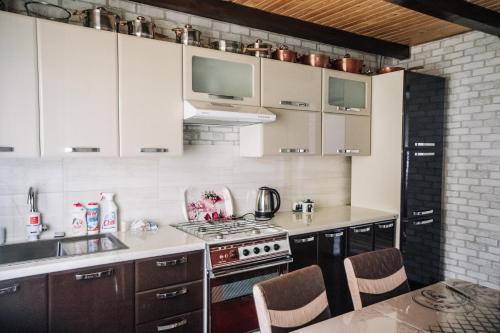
228	272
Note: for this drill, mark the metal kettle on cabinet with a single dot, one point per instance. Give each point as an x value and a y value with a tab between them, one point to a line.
268	203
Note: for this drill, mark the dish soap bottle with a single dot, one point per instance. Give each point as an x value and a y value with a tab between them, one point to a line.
79	220
109	213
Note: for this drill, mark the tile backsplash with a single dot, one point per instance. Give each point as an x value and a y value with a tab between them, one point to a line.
152	188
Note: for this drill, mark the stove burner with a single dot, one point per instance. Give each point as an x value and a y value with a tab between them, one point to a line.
255	231
202	229
219	235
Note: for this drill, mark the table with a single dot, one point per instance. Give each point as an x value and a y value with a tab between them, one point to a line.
433	309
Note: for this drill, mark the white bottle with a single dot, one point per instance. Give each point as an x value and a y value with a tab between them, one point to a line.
109	213
79	220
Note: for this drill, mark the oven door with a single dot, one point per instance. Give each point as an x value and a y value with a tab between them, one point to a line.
232	308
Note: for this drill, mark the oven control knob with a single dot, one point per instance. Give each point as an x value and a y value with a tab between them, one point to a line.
267	248
256	250
276	247
246	252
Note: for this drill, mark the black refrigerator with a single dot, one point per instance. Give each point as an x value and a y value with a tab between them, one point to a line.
422	172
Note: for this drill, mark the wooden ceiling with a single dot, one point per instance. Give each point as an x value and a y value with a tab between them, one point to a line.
373	18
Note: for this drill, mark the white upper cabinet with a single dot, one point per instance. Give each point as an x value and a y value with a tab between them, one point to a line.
290	86
346	135
150	102
19	126
293	133
223	77
78	90
346	92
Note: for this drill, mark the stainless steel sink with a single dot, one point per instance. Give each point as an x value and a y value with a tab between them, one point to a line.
43	249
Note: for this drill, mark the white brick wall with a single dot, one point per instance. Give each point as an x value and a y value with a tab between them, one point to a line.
471	63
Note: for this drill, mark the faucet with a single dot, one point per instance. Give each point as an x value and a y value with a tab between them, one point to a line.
34	226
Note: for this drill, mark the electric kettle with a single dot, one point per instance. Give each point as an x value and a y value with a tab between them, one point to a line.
268	203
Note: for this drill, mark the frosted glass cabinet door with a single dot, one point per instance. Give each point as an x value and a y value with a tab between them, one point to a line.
19	126
78	90
290	86
211	75
346	93
150	97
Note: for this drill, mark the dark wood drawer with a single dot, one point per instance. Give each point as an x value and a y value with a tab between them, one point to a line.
186	323
167	270
170	301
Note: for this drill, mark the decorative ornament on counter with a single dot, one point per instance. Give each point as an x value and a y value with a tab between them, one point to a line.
207	204
143	225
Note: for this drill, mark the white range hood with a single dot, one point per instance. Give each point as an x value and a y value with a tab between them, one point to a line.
212	113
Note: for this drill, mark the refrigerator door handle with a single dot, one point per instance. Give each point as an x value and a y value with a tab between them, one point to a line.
423	212
422	154
429	221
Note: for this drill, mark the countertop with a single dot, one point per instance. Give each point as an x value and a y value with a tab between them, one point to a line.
329	218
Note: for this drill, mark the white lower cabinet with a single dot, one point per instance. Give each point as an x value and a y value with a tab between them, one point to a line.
150	97
19	126
345	135
293	133
78	75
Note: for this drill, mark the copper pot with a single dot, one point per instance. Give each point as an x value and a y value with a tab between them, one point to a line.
348	64
284	54
316	60
389	69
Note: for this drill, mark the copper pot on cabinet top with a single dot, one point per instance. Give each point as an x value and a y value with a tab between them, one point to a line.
316	60
348	64
284	54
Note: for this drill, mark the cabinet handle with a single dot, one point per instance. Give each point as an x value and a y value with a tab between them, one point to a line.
82	150
341	151
335	235
425	144
304	240
172	294
95	275
174	262
9	290
420	154
154	150
294	150
234	98
362	230
385	226
347	108
6	149
172	326
429	221
292	103
352	151
423	212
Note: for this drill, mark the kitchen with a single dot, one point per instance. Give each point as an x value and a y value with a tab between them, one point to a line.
154	161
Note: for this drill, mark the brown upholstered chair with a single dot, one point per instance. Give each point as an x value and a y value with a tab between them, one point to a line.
291	301
376	276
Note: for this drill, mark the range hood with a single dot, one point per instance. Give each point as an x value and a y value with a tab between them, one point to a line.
212	113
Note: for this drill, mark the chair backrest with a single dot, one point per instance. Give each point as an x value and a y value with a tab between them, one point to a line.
376	276
291	301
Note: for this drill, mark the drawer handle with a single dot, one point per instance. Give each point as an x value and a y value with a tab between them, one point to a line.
424	222
174	262
294	150
335	235
172	294
82	150
293	103
420	154
352	151
172	326
234	98
425	144
95	275
304	240
385	226
362	230
9	290
6	149
154	150
423	212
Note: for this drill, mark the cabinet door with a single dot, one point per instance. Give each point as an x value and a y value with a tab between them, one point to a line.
96	299
304	251
23	304
78	90
346	92
360	239
150	102
384	234
19	126
221	76
290	86
357	135
333	134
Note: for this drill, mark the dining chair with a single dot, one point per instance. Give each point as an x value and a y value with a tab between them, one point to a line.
375	276
291	301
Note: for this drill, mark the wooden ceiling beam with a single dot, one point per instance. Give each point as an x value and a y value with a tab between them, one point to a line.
457	11
254	18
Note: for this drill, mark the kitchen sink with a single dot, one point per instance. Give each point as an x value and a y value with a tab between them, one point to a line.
52	248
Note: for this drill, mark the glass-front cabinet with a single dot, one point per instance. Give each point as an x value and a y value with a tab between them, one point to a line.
346	93
211	75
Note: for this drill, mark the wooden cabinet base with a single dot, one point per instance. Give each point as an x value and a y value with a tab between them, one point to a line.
186	323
